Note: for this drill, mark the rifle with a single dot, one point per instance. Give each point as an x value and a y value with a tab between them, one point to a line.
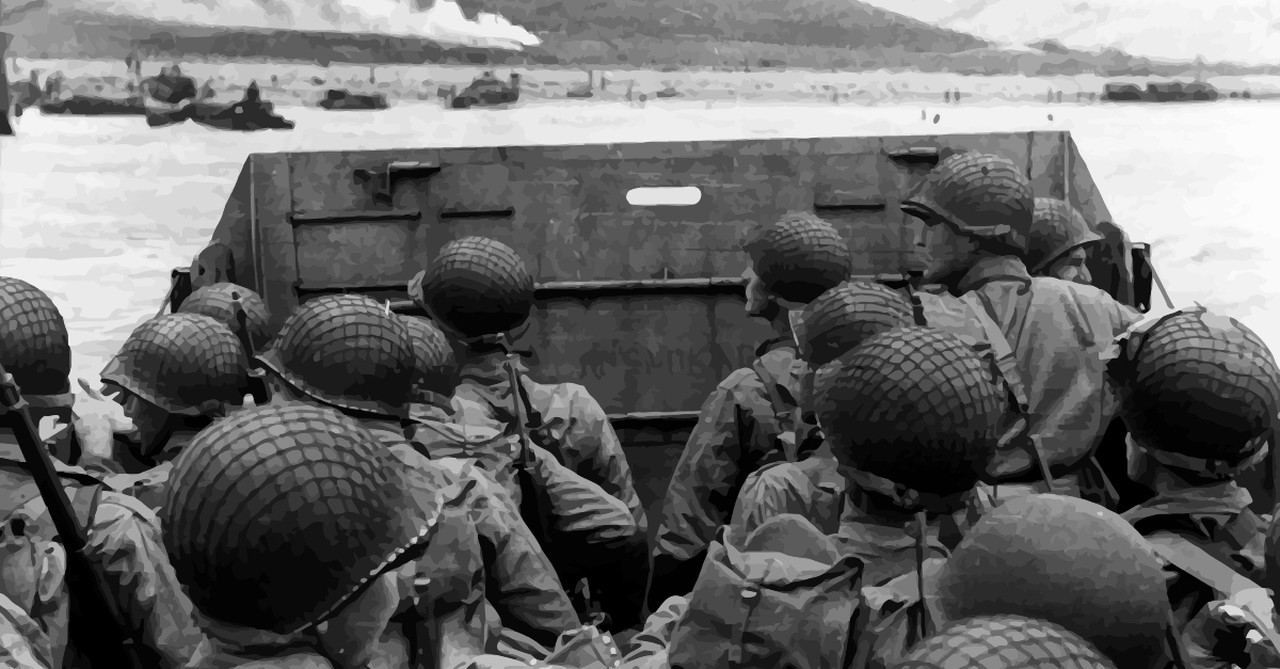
527	418
114	643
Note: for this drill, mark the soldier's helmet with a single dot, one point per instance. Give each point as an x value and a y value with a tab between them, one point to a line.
476	287
435	363
1066	561
277	516
979	194
186	364
1196	384
799	257
844	317
346	351
36	348
1005	642
1058	228
914	406
218	301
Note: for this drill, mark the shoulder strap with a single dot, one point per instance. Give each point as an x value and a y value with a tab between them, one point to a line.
781	408
1004	357
1190	558
84	504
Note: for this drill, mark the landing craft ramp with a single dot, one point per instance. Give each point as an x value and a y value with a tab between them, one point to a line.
643	304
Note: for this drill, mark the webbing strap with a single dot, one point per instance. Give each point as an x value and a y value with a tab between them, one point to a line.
1226	581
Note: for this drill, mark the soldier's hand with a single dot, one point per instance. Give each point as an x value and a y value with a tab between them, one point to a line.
97	420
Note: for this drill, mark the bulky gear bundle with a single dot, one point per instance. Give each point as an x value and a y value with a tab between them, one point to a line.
218	301
799	257
435	363
186	364
1005	642
913	412
844	317
37	350
348	352
979	194
1058	228
279	515
1069	562
476	287
1198	391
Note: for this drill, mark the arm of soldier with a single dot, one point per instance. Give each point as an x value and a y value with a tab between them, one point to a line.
591	432
519	579
582	512
125	544
698	497
651	643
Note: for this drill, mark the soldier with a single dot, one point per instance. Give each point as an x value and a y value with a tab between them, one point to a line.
793	261
835	323
1046	333
480	290
1005	642
1200	396
278	578
588	529
123	535
1065	561
173	376
349	353
1059	241
219	301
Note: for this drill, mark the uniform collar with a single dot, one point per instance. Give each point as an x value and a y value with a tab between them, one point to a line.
993	268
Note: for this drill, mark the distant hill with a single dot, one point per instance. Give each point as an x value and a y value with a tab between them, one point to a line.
820	34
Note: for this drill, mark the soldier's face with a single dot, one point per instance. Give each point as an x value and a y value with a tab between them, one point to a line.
1071	267
950	254
757	298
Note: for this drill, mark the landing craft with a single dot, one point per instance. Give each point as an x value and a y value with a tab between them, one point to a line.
642	302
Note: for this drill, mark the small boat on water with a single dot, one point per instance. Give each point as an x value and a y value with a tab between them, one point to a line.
337	99
248	115
484	91
90	105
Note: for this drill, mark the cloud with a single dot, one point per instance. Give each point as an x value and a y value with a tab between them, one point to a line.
443	22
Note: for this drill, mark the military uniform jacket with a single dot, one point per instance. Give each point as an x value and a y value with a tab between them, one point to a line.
1056	330
735	435
125	545
491	554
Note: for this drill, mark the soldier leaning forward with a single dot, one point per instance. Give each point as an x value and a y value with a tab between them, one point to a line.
1059	242
479	291
1065	561
175	374
1046	333
585	523
123	535
835	323
750	419
1199	394
295	531
349	353
1005	642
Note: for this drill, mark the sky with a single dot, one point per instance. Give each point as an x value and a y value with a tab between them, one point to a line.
1244	31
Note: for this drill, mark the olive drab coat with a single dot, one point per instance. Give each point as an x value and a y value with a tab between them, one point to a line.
1214	518
124	543
884	539
23	643
586	522
149	486
588	445
736	434
510	567
1056	331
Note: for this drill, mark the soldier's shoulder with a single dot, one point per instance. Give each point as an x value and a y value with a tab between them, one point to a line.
124	507
1078	291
